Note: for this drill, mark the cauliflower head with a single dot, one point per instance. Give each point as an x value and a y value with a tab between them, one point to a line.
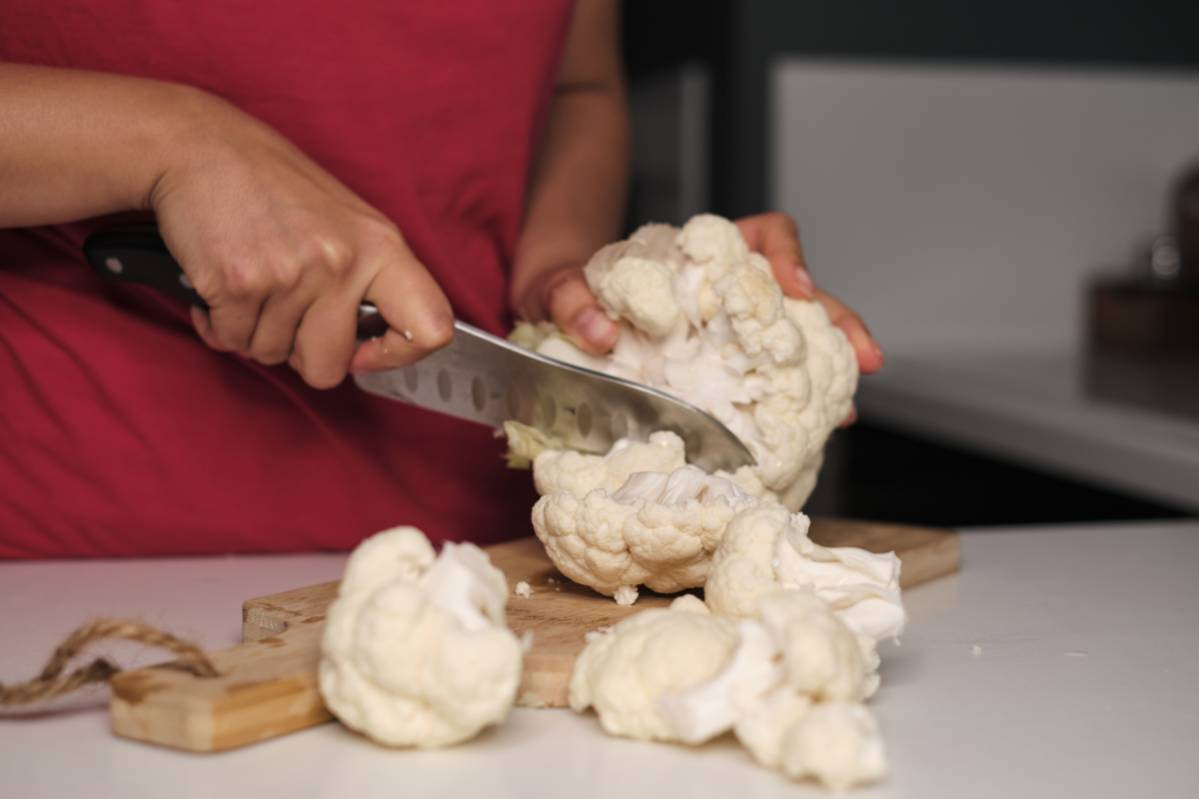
701	317
636	516
415	650
767	547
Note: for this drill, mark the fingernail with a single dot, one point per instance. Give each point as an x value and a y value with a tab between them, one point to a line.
594	326
878	351
805	281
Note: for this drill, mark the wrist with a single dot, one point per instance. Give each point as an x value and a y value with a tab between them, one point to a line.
182	137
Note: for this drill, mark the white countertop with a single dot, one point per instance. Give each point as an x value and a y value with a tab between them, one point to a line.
1032	408
1085	686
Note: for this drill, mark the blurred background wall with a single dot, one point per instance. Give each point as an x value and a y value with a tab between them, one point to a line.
964	206
961	173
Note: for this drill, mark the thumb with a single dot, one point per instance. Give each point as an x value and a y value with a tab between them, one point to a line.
574	309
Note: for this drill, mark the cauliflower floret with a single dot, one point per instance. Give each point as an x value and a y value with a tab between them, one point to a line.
837	743
710	239
762	725
779	682
712	707
613	526
767	547
702	318
754	305
415	651
567	471
822	657
630	283
796	643
624	672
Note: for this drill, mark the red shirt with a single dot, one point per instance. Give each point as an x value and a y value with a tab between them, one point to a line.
122	434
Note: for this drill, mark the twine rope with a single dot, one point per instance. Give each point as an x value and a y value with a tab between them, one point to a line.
52	682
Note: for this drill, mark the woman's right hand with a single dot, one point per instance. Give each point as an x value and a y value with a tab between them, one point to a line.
283	253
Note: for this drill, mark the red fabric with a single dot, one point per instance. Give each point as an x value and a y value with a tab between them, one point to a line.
121	434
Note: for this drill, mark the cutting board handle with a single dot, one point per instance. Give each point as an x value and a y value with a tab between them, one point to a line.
265	688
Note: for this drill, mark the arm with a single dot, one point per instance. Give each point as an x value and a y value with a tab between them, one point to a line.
279	249
578	192
77	144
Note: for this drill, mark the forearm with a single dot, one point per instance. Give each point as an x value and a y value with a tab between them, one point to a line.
577	199
76	144
577	196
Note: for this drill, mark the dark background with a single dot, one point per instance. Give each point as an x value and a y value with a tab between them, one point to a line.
738	41
729	47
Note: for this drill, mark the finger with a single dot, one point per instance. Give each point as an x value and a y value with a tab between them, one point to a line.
418	315
324	341
776	236
575	310
203	328
870	354
233	322
274	336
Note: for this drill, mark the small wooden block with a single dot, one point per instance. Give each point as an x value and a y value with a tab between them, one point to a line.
268	684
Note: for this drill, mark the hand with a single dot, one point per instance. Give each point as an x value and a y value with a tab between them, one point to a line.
283	254
562	294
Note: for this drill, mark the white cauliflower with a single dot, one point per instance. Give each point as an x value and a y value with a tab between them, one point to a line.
796	646
636	516
836	743
640	516
822	657
767	547
625	671
635	279
702	318
566	471
780	682
415	651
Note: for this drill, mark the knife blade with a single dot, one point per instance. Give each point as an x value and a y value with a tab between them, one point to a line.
477	376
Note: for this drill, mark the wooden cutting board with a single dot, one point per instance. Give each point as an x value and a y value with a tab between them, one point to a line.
268	686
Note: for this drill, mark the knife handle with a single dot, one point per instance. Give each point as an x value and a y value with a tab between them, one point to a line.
139	255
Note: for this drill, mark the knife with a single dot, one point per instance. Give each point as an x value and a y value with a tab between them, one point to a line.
477	376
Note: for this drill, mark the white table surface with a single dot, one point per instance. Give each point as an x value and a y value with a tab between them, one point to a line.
1032	408
1087	685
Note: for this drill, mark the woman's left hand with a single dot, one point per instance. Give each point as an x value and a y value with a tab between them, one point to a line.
563	296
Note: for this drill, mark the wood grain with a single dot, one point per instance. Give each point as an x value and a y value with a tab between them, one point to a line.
268	684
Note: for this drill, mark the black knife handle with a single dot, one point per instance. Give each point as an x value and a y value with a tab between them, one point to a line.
139	255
